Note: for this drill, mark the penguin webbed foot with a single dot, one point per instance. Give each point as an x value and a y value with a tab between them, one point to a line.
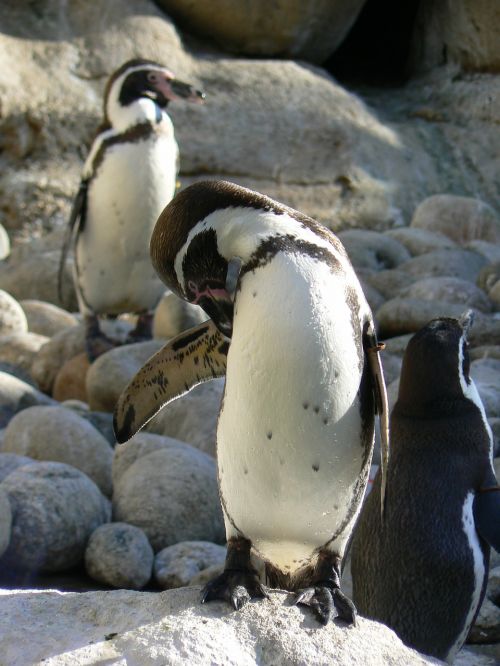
235	586
323	598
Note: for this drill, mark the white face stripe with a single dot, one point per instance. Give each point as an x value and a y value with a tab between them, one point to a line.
471	393
240	231
469	529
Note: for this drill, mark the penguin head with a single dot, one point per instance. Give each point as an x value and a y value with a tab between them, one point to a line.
140	89
201	238
435	374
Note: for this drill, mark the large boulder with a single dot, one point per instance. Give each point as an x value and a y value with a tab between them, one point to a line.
287	28
46	318
16	395
19	350
60	435
172	495
55	508
12	317
174	628
176	565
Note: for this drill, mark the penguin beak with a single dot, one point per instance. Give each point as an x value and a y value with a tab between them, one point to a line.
173	89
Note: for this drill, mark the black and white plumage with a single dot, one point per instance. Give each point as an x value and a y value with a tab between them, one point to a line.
423	571
297	345
128	178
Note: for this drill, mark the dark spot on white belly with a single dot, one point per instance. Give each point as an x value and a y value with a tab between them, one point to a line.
316	410
325	420
305	405
245	470
315	467
269	435
254	294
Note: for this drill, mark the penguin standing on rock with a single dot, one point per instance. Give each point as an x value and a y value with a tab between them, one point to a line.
303	380
423	569
128	178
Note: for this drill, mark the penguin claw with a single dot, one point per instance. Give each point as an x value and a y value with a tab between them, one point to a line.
322	599
236	587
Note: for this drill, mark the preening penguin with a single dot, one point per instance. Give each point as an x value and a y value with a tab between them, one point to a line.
303	381
128	178
423	572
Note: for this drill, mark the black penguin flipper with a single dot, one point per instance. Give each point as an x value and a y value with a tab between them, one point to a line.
487	515
76	223
192	357
372	349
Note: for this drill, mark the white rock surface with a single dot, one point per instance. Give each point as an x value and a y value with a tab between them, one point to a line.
12	317
172	495
55	509
119	555
4	243
176	565
144	629
60	435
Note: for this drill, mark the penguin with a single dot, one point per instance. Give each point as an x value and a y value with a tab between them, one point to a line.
296	341
128	178
423	569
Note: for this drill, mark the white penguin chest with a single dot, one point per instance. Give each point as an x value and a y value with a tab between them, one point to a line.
290	450
132	186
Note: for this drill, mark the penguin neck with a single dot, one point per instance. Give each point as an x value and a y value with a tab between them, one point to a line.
143	110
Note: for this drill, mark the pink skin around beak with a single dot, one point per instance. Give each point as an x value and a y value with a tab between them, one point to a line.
173	89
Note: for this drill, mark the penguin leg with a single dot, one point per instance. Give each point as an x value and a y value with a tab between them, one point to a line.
96	341
143	329
324	593
239	582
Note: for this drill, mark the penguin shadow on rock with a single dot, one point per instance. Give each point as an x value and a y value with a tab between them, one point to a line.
128	177
423	569
303	382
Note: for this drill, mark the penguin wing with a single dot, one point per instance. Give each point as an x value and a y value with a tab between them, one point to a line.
486	509
75	224
373	349
193	357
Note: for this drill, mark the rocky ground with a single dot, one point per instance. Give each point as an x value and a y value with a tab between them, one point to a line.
409	180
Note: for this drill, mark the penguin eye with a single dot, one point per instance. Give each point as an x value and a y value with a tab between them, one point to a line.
152	77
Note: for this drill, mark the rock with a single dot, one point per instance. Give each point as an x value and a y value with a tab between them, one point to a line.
65	345
374	297
174	628
287	30
60	435
138	446
5	521
11	461
420	241
70	381
18	350
4	243
177	565
369	249
462	264
486	331
16	395
111	372
193	417
486	351
119	555
449	289
493	589
486	628
12	317
55	508
472	657
46	318
34	276
491	251
407	315
495	429
172	495
397	345
174	315
486	375
103	422
494	294
206	575
464	34
462	219
488	277
389	283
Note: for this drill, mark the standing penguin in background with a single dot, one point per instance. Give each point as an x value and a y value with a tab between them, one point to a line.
423	570
297	345
128	178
